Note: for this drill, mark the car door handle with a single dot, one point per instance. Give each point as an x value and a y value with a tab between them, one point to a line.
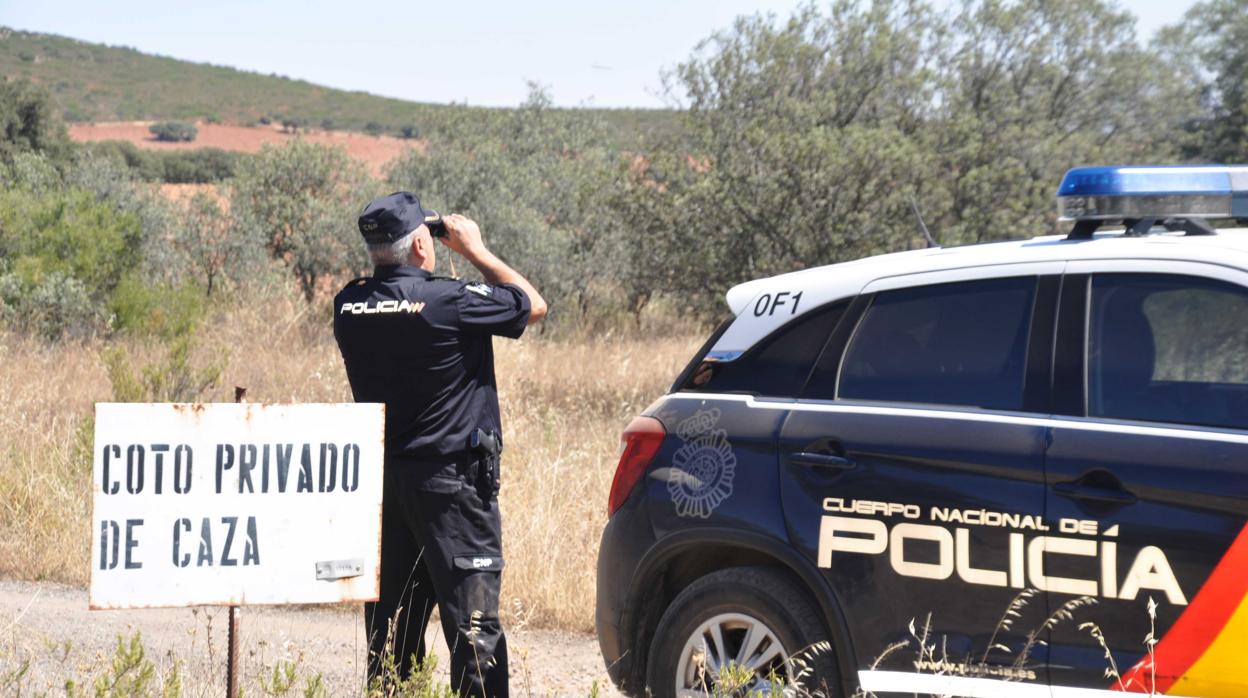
822	460
1104	495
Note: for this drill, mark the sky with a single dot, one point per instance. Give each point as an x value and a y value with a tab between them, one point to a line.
480	52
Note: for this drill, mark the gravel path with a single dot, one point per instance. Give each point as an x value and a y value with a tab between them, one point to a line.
47	636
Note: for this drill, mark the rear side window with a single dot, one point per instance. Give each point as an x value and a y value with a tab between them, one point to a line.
1168	348
953	344
778	365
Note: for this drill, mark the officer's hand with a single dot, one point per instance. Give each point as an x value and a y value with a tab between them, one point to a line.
462	235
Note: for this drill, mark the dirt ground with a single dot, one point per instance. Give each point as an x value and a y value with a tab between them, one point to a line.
48	629
375	151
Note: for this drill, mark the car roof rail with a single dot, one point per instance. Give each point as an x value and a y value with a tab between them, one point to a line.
1139	227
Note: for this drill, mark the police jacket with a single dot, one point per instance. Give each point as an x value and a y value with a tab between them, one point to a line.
422	344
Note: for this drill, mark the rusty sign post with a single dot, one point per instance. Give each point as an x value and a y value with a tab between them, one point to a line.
232	639
231	666
231	504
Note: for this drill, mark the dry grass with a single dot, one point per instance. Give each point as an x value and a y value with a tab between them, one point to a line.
46	396
564	404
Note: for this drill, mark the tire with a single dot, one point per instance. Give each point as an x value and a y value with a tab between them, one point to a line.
740	601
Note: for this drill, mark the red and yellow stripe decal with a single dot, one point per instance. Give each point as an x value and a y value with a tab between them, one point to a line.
1204	654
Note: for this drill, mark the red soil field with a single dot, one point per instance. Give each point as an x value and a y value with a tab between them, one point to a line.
373	151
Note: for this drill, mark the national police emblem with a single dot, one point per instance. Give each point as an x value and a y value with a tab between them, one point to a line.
703	466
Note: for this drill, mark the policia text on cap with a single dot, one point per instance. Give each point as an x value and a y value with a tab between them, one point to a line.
421	344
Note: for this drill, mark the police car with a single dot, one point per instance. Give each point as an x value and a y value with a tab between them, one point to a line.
1012	469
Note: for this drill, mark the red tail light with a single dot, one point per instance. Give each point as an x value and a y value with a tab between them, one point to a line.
641	440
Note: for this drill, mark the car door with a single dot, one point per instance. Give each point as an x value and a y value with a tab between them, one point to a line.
912	475
1147	474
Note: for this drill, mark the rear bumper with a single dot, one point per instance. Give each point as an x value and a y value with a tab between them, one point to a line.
625	539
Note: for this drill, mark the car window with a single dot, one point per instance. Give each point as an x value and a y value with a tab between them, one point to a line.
951	344
1168	348
699	358
778	365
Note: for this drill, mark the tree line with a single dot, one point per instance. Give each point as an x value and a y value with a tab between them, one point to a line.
804	140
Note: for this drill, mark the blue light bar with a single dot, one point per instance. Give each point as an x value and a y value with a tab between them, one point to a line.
1167	191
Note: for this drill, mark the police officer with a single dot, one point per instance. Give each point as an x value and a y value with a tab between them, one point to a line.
422	344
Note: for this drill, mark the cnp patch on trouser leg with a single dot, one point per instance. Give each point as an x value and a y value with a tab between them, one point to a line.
461	537
479	650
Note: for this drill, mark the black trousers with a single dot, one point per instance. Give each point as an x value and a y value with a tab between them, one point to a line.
441	542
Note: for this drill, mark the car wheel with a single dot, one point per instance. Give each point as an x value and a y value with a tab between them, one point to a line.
753	619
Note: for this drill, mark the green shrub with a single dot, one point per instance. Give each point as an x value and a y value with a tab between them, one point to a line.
155	309
172	314
131	673
174	131
179	375
31	171
65	251
421	683
146	165
199	166
55	307
70	232
112	184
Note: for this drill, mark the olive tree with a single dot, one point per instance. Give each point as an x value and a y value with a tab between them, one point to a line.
1029	89
801	144
301	201
812	140
211	246
28	121
536	180
1209	47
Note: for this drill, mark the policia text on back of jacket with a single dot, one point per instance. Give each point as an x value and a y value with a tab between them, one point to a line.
422	344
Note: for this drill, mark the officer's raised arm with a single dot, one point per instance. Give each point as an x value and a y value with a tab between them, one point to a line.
464	236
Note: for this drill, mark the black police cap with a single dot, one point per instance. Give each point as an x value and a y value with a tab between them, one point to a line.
389	218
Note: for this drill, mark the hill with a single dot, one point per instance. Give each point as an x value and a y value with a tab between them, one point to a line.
96	82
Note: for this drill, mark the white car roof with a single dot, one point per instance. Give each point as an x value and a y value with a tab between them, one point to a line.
763	305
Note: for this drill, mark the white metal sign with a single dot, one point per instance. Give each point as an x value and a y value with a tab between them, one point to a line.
236	504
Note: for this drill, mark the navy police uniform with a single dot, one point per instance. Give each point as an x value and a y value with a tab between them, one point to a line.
422	345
